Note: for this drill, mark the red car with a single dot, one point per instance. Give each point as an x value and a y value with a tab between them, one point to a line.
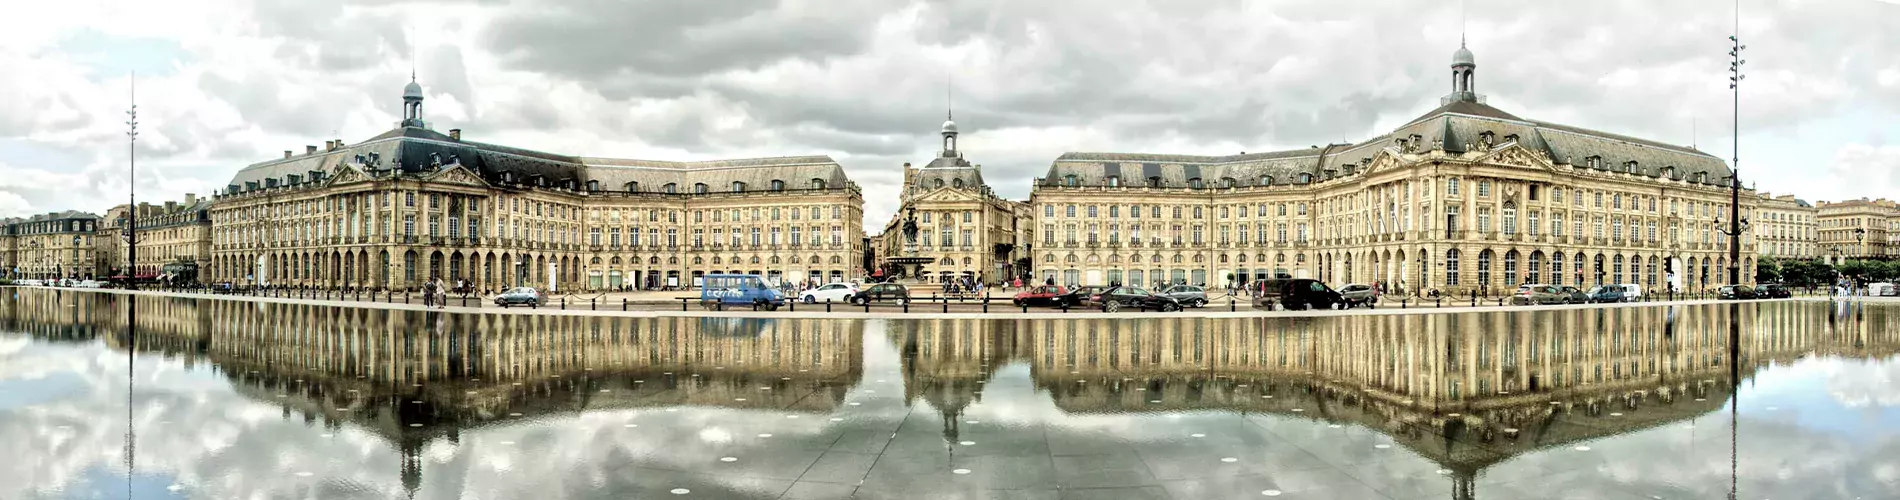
1046	295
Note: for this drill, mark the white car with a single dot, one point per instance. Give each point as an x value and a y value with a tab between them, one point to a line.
834	292
28	282
87	284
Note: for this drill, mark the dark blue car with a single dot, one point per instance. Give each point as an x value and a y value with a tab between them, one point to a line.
1608	293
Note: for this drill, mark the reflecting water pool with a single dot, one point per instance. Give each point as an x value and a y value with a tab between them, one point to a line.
204	398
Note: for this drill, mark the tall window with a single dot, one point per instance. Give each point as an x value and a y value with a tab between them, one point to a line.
1510	218
1451	267
1484	269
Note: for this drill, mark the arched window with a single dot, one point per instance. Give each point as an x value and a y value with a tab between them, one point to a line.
778	185
1195	183
817	183
738	187
1484	268
593	186
956	183
701	188
936	184
633	187
1616	269
1114	181
1535	270
669	188
1510	269
1070	180
1599	269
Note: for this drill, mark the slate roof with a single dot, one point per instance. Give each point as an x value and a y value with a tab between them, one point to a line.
1457	124
415	149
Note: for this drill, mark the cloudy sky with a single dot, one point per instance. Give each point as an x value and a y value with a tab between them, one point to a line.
224	83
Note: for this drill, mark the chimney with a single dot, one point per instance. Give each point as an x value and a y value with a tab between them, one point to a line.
339	144
286	153
309	149
329	146
455	133
191	198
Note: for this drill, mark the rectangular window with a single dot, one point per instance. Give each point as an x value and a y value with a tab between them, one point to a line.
1451	186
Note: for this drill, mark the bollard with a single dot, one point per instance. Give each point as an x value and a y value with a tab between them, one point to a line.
827	305
623	304
564	303
946	305
593	304
1025	307
906	307
867	306
986	304
405	297
682	303
1232	304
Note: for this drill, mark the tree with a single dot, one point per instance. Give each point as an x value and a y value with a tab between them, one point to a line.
1855	270
1768	271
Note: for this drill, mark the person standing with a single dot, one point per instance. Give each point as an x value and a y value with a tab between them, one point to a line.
428	294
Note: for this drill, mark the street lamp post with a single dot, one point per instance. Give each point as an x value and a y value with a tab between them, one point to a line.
1735	221
131	186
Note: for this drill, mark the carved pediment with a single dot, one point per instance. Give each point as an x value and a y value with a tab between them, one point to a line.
1516	157
948	195
456	173
345	173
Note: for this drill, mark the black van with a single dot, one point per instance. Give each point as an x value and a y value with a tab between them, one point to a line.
1294	294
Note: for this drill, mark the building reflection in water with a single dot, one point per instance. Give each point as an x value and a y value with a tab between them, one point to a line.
1464	390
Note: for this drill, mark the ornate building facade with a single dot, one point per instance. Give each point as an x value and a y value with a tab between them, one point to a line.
51	246
174	239
1785	227
1465	198
964	230
413	203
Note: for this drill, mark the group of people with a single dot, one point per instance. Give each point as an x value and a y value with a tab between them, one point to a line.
435	292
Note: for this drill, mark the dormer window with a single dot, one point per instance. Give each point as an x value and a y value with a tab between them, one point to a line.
1154	182
1114	181
738	187
936	183
1070	180
1629	167
1510	138
632	187
1487	137
1195	183
593	186
778	185
1306	178
1266	180
700	188
1702	177
1593	161
669	188
1668	172
956	183
1227	182
817	183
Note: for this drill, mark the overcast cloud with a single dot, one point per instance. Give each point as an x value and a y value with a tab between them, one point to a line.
224	83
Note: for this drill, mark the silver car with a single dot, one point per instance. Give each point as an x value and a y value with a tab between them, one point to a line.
1358	295
1187	295
526	296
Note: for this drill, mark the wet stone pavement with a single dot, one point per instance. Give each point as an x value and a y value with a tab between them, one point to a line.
229	399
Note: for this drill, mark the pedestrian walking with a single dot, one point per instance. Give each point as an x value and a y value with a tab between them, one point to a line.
428	294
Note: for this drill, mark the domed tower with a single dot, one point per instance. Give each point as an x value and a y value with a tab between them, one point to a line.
1463	66
949	136
412	104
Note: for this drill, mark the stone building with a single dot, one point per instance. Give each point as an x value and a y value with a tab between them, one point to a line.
964	230
413	203
51	246
1856	229
1465	198
174	239
1785	227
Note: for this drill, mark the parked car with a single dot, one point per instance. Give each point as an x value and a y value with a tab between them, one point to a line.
525	295
1632	292
1772	291
1131	296
1086	296
88	284
1607	293
831	292
895	293
1295	293
1356	294
1187	295
1045	295
1576	295
28	282
1539	294
1735	292
1881	290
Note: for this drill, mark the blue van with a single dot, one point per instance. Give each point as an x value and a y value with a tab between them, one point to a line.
719	291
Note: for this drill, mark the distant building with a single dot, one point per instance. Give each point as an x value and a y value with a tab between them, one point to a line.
1465	198
1857	229
1785	227
175	234
964	230
51	246
413	203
